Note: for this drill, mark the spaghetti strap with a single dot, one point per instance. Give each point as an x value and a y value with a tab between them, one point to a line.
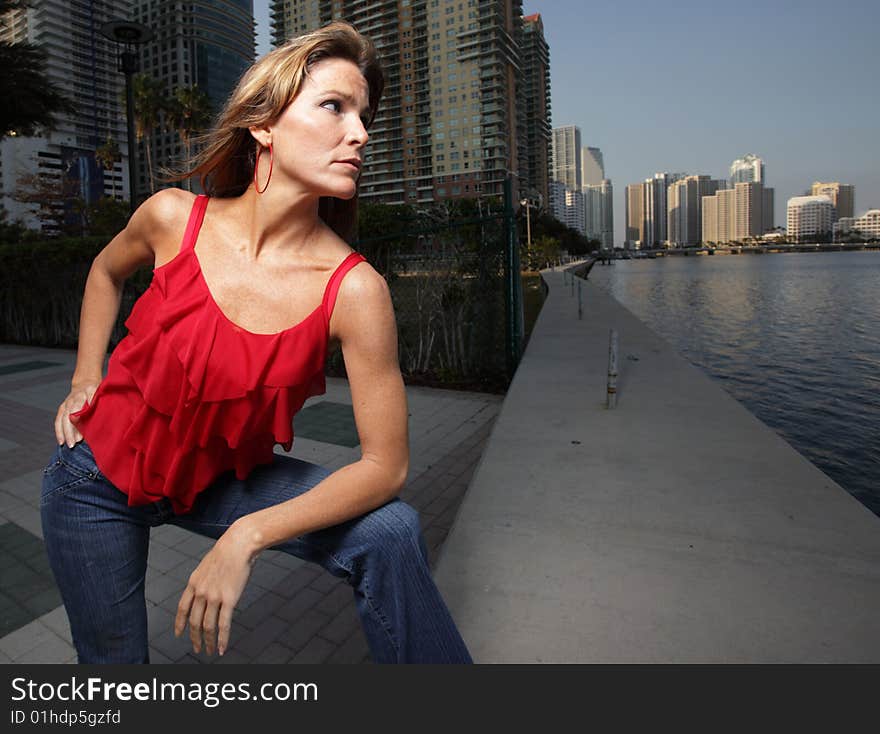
336	280
196	215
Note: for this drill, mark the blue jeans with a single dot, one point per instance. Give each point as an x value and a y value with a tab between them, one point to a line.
97	547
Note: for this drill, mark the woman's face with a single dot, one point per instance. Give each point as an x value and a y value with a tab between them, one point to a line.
319	138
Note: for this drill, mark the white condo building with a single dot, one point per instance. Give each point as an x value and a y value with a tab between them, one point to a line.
809	216
867	225
747	169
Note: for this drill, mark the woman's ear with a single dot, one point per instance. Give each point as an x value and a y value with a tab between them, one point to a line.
263	135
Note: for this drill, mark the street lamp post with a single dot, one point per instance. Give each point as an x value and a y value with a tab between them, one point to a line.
128	35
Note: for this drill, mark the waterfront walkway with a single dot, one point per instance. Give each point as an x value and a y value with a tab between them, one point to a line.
290	611
674	528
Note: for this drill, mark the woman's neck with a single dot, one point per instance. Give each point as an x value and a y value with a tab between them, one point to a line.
277	220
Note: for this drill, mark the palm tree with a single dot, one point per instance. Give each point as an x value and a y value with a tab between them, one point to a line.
107	155
149	101
188	112
31	100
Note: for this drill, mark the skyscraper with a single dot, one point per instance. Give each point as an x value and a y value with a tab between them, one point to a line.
592	166
747	168
654	208
206	43
635	219
684	209
535	98
599	212
83	65
738	214
448	124
843	196
566	156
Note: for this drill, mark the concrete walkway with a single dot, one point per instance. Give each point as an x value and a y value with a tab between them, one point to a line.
674	528
290	611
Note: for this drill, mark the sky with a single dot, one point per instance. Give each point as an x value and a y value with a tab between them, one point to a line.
691	86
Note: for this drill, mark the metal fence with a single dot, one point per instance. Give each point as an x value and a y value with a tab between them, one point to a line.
457	294
454	282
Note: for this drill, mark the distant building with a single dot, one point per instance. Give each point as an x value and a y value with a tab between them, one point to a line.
599	213
809	217
744	212
84	66
592	167
565	163
634	217
567	205
867	225
654	209
843	196
684	210
746	169
536	136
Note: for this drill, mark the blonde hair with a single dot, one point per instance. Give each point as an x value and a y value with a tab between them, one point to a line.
225	165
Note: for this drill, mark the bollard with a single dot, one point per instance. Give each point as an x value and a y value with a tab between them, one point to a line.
580	302
572	284
612	369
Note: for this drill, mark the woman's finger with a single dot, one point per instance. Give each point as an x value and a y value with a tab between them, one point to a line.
196	616
224	627
183	607
59	431
209	627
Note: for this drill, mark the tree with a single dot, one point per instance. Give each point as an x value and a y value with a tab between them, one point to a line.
149	102
107	155
189	112
32	101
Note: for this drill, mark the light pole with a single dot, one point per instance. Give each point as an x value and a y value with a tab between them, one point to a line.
128	35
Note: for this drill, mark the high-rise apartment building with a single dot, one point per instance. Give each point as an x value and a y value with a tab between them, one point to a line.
635	219
599	212
843	196
809	217
592	166
535	101
745	169
684	213
206	43
738	214
566	156
654	208
449	122
83	65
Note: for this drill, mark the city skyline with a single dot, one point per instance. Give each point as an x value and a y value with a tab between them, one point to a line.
789	82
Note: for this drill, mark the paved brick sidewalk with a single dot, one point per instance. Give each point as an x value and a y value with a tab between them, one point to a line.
290	611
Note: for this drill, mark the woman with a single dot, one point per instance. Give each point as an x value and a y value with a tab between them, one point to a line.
222	350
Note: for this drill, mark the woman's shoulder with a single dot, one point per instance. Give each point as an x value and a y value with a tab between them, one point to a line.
161	221
167	208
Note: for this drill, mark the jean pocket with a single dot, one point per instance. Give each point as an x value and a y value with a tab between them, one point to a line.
63	474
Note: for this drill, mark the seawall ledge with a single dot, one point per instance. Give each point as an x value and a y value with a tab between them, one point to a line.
676	527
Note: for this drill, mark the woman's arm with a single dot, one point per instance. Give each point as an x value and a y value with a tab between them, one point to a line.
135	246
363	320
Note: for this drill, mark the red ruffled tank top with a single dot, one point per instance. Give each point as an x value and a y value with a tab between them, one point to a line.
189	395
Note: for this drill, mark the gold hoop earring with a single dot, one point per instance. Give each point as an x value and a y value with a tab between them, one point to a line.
257	166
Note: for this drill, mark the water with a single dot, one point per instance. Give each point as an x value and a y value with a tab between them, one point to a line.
795	338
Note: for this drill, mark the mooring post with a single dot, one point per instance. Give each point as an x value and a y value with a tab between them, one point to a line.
580	301
612	369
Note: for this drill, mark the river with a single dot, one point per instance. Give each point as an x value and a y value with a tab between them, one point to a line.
794	337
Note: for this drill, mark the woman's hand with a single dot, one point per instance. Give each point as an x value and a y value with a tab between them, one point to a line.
214	589
65	430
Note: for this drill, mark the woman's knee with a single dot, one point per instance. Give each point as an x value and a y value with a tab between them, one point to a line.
395	528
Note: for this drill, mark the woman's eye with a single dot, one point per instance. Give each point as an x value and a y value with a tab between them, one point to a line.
332	105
